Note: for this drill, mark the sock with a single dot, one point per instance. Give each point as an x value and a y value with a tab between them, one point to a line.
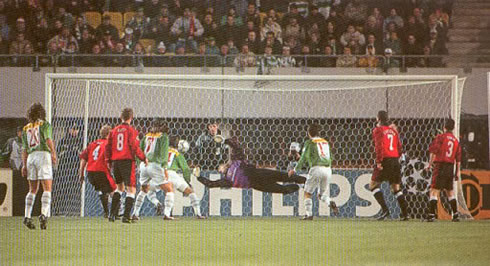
378	195
325	198
454	205
139	202
196	204
401	201
432	206
169	203
29	204
152	197
308	206
120	212
128	205
104	199
116	198
46	203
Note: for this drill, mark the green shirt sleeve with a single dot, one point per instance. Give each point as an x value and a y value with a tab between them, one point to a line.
47	131
186	171
305	156
24	140
164	148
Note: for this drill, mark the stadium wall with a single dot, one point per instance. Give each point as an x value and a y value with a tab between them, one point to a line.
19	87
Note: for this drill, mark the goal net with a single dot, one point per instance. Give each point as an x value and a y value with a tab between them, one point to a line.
267	113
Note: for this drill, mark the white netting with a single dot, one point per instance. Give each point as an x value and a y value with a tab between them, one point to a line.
267	113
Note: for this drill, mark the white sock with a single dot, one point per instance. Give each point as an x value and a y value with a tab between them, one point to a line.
121	204
325	198
196	204
152	197
29	204
139	202
309	207
169	203
46	203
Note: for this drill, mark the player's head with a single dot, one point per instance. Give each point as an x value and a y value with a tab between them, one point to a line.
314	130
19	131
36	112
173	141
382	117
213	128
159	125
127	114
449	125
104	131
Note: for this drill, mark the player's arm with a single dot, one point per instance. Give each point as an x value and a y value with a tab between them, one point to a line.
433	150
164	148
378	147
186	171
458	162
83	164
305	157
24	154
48	134
135	146
108	150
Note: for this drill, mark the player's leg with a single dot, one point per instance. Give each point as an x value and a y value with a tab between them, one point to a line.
195	202
435	187
311	185
169	200
139	201
152	197
116	197
453	204
400	197
375	187
269	185
130	182
30	197
278	176
325	178
45	202
394	171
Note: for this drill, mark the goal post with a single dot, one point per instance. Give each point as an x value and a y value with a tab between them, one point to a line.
267	113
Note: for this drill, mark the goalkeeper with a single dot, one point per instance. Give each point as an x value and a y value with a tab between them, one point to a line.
240	174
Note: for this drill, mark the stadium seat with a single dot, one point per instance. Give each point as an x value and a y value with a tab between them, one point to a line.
148	44
93	18
128	16
116	20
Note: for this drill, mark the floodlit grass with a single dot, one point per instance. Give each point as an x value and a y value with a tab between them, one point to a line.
244	241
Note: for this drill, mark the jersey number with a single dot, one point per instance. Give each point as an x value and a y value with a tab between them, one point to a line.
391	137
120	142
171	157
33	137
95	153
323	150
150	145
450	148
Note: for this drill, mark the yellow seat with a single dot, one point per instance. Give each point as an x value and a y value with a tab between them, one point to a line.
127	17
93	18
116	20
148	44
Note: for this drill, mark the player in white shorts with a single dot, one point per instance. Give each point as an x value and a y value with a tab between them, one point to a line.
316	155
38	156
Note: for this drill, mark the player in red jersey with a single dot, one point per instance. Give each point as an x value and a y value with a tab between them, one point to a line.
93	159
121	150
388	149
445	152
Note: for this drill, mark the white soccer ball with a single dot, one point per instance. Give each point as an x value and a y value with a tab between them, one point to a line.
183	146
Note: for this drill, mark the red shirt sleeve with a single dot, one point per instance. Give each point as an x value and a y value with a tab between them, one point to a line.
458	154
108	148
134	144
435	146
84	154
378	144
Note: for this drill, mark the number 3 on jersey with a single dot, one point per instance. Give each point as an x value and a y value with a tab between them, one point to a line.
323	150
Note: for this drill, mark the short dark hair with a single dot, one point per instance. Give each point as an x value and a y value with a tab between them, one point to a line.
173	141
127	113
36	111
383	117
449	124
104	131
314	130
159	125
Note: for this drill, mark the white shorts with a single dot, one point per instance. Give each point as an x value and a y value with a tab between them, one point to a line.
39	166
177	180
318	177
152	172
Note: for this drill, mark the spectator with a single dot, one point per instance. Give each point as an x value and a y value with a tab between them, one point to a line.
370	60
180	60
352	35
160	30
210	27
152	8
293	29
175	7
315	17
314	44
266	62
225	56
412	47
294	45
245	58
186	29
86	42
250	26
271	26
252	14
437	45
429	60
232	47
65	17
376	13
253	42
4	28
80	25
435	26
372	27
377	47
286	59
394	43
236	18
306	60
73	7
18	46
128	39
273	14
161	59
393	17
4	48
416	29
419	18
53	49
391	28
347	59
272	41
388	61
63	39
139	23
109	43
230	31
165	12
41	35
441	17
338	21
336	46
138	55
107	26
328	60
67	57
212	52
294	12
121	60
56	29
356	12
21	27
314	28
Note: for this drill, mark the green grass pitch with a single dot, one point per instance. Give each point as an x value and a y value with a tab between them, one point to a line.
244	241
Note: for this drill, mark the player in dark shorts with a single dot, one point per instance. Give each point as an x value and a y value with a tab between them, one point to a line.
240	174
121	150
388	149
93	159
445	153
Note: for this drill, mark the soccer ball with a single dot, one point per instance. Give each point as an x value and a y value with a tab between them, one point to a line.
183	146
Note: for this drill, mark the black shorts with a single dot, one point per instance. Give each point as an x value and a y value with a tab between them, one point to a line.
391	171
101	182
124	172
443	176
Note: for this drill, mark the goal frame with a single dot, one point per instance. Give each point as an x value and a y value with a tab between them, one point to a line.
454	79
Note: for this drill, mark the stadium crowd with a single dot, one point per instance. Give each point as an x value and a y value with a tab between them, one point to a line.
240	33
